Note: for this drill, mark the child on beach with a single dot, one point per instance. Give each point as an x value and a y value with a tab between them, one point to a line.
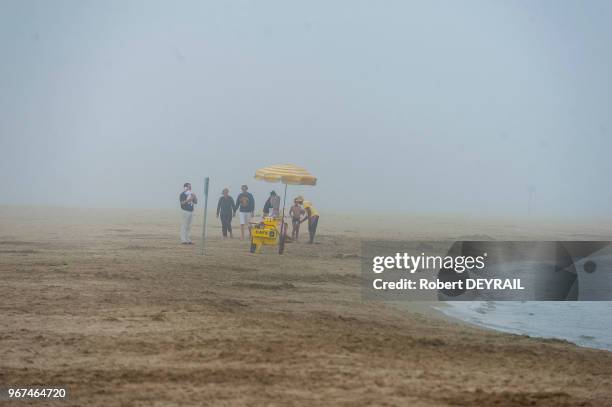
296	212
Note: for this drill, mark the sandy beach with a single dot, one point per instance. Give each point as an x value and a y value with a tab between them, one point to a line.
109	305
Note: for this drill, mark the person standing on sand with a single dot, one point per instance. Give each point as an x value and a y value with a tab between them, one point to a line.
272	205
246	203
225	210
266	208
275	202
187	199
296	212
313	220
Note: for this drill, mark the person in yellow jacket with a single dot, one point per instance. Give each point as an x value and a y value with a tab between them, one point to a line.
313	219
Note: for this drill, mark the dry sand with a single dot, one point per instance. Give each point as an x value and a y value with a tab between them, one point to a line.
107	303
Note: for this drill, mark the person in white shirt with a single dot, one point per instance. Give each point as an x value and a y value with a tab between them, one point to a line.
187	199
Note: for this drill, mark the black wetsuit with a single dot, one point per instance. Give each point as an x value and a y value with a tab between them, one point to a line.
225	211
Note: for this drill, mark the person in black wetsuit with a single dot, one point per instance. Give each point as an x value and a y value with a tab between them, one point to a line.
225	211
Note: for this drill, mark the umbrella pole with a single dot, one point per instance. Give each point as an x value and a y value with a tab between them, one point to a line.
206	182
281	244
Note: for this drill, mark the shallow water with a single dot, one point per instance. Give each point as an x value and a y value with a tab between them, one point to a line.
583	323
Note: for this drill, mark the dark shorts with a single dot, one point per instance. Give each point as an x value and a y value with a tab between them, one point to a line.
295	221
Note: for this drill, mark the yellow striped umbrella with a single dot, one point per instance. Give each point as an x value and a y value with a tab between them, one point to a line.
288	174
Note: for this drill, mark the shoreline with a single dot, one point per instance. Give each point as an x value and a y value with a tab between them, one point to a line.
490	323
442	310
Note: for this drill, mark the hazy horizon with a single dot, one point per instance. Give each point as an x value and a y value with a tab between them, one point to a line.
425	107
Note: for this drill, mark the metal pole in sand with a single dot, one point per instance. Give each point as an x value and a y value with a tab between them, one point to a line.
206	182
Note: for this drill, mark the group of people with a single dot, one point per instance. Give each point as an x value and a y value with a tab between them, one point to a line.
301	211
227	209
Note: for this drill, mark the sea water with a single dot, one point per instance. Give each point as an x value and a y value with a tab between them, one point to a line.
587	323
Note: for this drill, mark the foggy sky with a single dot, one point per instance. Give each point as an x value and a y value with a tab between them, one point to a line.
424	107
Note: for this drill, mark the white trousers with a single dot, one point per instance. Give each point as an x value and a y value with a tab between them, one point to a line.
186	226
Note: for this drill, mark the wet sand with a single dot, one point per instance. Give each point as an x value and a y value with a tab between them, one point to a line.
108	304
